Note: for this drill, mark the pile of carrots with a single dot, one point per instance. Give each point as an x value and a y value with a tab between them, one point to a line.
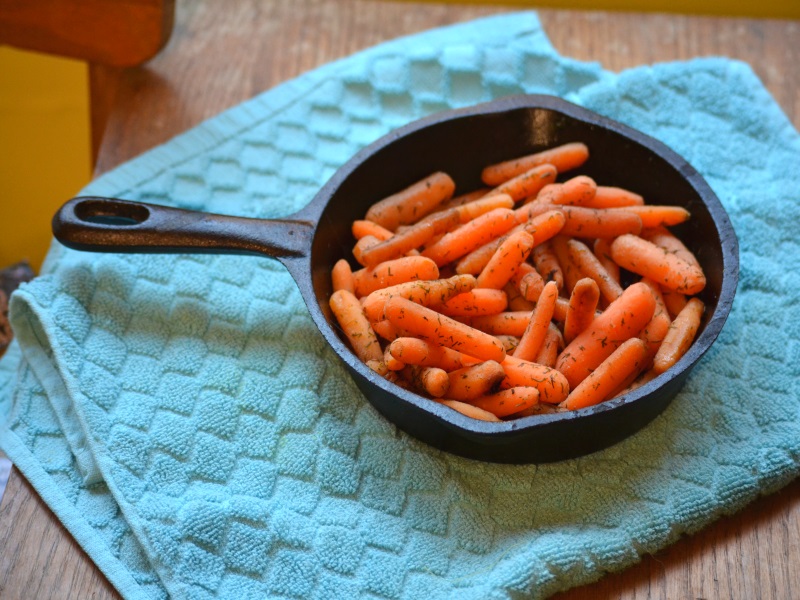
507	301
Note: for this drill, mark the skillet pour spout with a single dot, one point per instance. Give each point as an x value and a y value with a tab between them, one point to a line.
459	142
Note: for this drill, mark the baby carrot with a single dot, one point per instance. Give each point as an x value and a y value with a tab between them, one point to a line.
654	332
653	215
588	265
414	351
532	339
348	312
680	335
362	245
470	236
397	245
510	342
674	301
504	323
480	301
427	380
427	292
645	258
342	276
465	198
613	197
508	402
638	382
552	385
569	269
623	319
474	262
515	300
393	272
582	306
528	281
363	227
384	329
476	208
578	191
563	158
664	238
412	203
546	263
599	384
553	343
506	260
599	223
602	250
469	410
474	381
545	225
392	364
528	183
413	319
378	366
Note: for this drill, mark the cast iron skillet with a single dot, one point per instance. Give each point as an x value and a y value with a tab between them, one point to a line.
459	142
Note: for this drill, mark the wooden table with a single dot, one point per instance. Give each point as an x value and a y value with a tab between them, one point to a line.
221	54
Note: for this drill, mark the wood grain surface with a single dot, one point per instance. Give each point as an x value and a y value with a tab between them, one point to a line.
219	57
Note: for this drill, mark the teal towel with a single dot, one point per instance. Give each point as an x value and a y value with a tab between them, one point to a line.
187	423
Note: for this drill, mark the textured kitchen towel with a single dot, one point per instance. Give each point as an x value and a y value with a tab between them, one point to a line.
186	422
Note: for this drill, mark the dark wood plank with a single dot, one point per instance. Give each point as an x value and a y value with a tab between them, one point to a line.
218	58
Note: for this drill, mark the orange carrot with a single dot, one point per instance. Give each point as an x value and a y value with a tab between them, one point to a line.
362	245
528	281
563	158
378	366
480	301
602	250
465	198
680	335
413	351
533	338
638	382
560	310
614	197
588	265
599	384
553	344
674	301
545	225
428	293
392	364
552	385
515	300
645	258
569	269
416	320
394	272
653	215
348	312
427	380
476	208
598	223
504	323
342	276
470	236
623	319
506	260
363	228
531	210
546	263
469	410
654	332
582	306
664	238
384	329
528	183
474	381
508	402
413	203
409	239
578	191
510	342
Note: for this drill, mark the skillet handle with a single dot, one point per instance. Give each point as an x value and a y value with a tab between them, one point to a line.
97	224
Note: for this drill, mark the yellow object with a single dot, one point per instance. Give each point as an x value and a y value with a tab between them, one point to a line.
45	147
